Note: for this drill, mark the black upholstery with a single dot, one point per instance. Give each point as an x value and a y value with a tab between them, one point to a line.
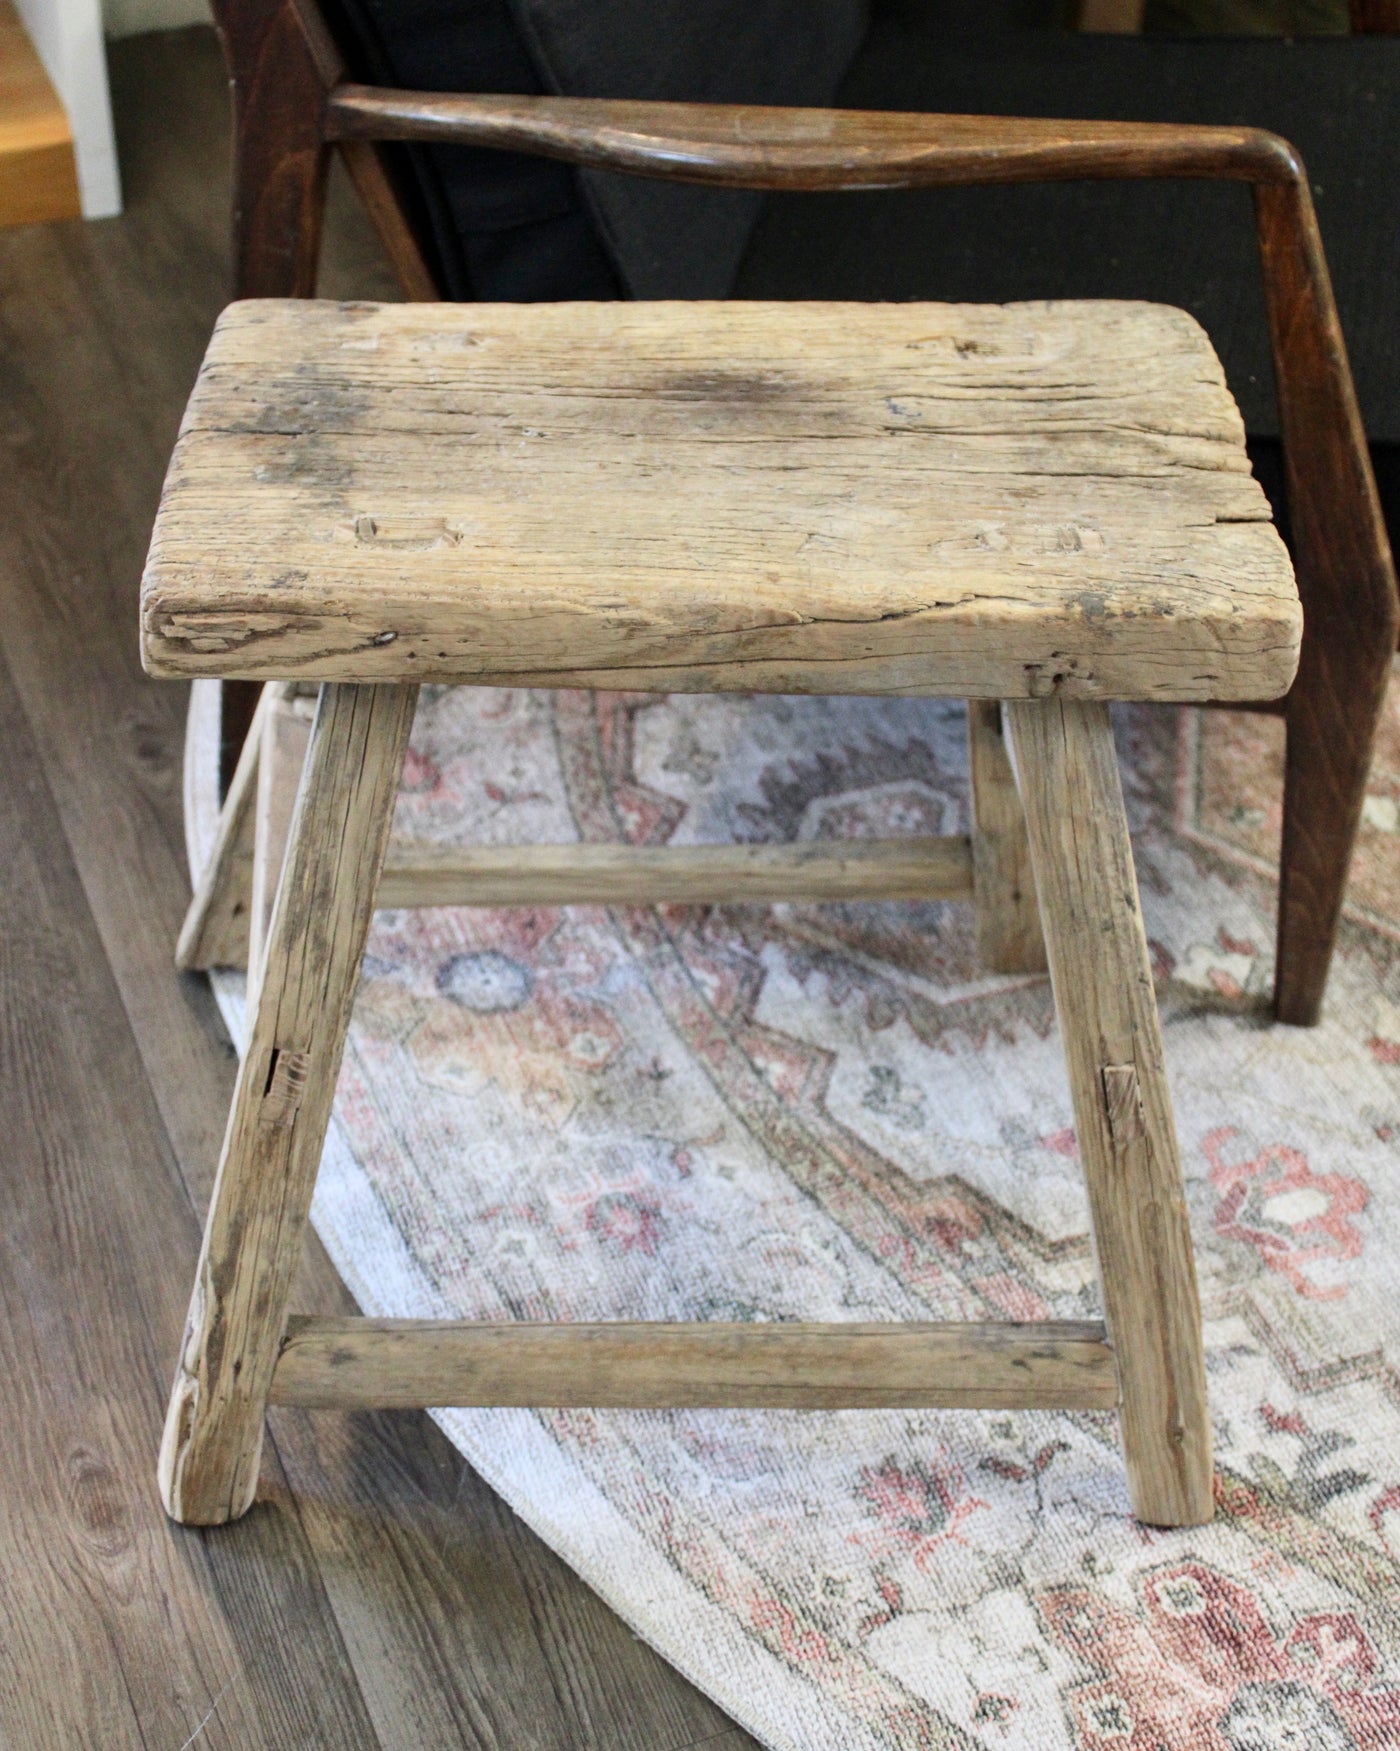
493	225
510	227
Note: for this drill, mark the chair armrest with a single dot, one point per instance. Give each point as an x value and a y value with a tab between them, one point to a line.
746	146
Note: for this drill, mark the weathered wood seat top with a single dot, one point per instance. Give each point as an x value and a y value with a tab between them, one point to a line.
979	500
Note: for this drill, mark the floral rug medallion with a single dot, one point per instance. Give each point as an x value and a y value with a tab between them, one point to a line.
831	1113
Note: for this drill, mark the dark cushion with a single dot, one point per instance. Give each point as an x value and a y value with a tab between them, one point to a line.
503	226
494	225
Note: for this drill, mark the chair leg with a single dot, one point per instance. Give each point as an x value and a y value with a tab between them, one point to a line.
1099	968
282	1102
1009	938
1346	579
1332	715
280	74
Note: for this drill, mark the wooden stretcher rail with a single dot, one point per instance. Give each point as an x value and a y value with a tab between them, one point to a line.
558	875
414	1364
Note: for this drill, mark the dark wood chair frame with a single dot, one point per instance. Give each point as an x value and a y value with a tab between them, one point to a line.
293	105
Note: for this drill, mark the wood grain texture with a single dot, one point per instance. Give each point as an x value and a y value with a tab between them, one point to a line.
281	1106
38	172
280	64
286	732
1009	938
798	1365
1065	767
690	875
750	146
976	500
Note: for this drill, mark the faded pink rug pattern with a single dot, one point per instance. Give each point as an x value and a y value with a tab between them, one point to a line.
832	1113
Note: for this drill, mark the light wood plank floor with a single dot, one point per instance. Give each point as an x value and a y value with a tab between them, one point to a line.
379	1595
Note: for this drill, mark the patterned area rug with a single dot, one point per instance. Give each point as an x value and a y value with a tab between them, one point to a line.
831	1113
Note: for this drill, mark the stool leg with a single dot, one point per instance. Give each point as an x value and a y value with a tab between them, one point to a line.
1102	979
1009	938
282	1102
215	930
285	737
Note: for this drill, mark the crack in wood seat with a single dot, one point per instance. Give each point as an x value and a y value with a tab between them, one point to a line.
980	500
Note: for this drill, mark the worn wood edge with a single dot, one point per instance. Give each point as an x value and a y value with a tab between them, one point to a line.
383	1363
216	608
295	646
761	147
532	875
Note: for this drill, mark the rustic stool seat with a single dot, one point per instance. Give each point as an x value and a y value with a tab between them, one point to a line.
993	502
1038	507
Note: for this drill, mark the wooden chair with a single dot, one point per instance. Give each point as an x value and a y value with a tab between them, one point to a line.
293	105
1046	505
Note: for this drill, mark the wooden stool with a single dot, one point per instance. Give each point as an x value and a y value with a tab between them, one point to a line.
1036	507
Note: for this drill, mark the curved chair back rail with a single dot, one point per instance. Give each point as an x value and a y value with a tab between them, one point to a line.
753	147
